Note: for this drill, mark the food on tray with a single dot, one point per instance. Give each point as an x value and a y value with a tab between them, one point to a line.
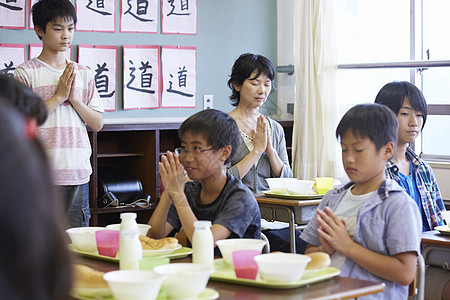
319	260
158	244
86	277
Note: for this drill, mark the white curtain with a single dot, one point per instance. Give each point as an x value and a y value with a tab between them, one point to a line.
315	151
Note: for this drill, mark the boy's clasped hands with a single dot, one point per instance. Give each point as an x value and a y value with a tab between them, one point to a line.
332	232
172	175
66	82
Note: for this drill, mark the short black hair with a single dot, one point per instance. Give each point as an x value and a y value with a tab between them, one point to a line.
45	11
217	127
374	121
243	67
28	103
393	94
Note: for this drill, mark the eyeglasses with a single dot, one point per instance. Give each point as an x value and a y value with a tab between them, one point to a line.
196	151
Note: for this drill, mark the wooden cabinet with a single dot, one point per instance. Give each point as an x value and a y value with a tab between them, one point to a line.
135	148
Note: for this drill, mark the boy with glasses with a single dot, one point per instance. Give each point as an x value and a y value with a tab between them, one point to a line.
209	139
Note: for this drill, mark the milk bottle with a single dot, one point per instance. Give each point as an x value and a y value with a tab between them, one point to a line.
203	244
130	247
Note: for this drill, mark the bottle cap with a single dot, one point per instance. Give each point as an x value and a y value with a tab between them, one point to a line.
128	215
202	224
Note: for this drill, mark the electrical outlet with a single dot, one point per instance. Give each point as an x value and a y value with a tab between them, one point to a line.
208	101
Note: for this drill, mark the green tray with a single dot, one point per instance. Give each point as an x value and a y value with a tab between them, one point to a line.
293	197
179	253
443	229
206	294
224	272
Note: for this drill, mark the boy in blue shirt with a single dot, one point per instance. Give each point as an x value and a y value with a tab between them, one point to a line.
406	167
370	227
209	139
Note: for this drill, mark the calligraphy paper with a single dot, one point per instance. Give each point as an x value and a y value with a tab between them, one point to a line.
12	14
36	49
141	76
30	22
11	55
102	61
179	16
96	15
179	76
139	16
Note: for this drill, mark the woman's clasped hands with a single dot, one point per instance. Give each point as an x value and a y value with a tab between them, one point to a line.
261	137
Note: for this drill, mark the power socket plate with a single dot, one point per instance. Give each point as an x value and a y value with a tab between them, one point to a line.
208	101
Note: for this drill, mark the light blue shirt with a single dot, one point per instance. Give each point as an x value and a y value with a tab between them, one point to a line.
409	184
388	223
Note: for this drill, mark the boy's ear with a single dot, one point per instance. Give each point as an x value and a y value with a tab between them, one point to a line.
389	150
225	152
39	31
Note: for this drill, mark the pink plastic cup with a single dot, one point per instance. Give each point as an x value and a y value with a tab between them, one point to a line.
244	264
107	242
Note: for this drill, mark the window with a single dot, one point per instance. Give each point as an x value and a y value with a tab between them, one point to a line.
381	41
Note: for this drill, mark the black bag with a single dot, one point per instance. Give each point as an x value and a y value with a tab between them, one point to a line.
118	187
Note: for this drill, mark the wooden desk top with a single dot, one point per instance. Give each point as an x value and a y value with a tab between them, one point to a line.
336	288
261	198
435	238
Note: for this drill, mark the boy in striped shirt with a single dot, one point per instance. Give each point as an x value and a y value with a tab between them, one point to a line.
72	100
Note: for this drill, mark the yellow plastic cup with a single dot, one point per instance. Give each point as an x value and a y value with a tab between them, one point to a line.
323	184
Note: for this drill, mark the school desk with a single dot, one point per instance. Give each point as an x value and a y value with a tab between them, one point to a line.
293	211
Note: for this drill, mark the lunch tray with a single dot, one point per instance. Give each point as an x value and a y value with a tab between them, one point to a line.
293	197
179	253
224	272
443	229
206	294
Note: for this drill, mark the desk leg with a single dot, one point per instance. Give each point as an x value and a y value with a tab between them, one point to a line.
291	216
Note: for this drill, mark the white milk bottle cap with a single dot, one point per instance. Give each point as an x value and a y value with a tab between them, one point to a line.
202	224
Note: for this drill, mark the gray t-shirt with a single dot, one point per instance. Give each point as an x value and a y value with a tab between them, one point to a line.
235	208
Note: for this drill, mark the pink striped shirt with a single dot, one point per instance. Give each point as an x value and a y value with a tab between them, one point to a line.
64	134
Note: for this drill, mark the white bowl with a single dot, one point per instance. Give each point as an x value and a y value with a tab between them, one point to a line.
299	187
229	245
134	284
83	238
281	267
143	228
184	280
277	185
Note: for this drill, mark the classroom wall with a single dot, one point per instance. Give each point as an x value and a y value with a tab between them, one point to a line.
225	29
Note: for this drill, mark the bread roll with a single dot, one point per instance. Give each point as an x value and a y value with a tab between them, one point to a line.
86	277
158	244
318	260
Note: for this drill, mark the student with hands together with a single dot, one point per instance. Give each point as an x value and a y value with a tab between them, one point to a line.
209	139
370	227
68	90
262	152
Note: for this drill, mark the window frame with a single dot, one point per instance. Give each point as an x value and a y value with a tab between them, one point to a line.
417	67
